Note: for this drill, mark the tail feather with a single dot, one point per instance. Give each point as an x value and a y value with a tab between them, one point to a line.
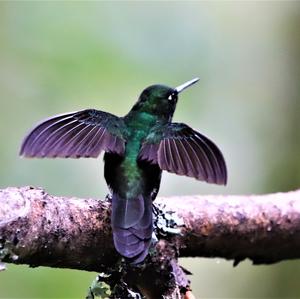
126	250
141	233
127	237
139	258
132	229
127	212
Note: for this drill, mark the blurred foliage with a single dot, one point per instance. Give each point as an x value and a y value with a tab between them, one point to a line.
62	56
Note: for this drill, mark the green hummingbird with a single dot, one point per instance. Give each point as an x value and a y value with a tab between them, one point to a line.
137	148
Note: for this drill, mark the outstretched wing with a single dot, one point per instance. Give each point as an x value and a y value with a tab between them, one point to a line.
76	134
179	149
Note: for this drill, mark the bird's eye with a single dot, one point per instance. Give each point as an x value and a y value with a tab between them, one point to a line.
172	97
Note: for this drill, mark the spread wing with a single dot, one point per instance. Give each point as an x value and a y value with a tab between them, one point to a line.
179	149
76	134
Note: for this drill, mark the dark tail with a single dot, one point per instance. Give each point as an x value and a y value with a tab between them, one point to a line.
132	226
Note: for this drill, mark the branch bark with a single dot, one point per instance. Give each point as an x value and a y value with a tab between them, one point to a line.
43	230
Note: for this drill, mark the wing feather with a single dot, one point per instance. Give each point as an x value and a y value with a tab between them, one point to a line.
60	136
49	136
205	161
76	134
215	157
81	146
200	171
173	163
69	143
188	158
184	151
36	143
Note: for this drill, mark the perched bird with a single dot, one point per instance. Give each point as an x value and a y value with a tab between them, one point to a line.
137	148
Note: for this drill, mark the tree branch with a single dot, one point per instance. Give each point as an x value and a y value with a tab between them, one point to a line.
43	230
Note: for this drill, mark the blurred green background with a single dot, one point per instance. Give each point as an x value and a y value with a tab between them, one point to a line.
62	56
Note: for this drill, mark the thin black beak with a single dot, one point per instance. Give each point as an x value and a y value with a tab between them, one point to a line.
185	85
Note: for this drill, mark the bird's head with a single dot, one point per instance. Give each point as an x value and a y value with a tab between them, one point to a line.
160	100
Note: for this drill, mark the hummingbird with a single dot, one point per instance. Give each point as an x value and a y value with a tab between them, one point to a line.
137	148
